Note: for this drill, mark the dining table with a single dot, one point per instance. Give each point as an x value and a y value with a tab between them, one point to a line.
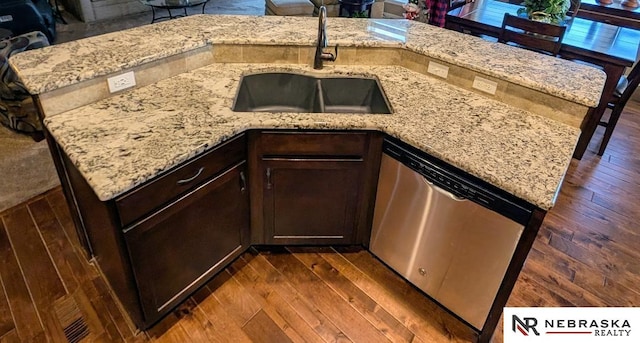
610	47
612	13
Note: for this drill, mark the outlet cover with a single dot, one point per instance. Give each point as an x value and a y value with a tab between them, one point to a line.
485	85
438	69
122	81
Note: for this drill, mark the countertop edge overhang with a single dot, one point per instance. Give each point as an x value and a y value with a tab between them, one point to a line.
125	140
44	70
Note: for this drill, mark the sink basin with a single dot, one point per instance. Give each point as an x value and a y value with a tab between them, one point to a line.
290	92
353	95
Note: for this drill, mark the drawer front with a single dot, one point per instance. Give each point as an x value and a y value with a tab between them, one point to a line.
180	180
288	143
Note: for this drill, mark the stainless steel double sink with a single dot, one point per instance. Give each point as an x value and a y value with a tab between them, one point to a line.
291	92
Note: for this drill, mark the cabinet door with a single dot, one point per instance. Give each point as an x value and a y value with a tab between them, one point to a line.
178	248
311	201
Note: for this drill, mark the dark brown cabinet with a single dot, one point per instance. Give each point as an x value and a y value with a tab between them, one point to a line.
177	249
159	242
312	187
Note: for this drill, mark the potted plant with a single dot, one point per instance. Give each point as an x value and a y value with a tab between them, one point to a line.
548	11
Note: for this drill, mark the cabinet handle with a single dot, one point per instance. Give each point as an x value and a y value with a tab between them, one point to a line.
269	185
243	182
185	181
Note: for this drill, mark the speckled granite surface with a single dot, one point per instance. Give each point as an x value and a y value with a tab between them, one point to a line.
121	142
54	67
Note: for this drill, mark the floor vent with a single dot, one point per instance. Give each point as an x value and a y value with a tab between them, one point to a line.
71	320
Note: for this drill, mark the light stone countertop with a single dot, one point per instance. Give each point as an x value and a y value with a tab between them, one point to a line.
121	142
54	67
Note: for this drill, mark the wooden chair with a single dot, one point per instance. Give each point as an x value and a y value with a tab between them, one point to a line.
532	35
622	94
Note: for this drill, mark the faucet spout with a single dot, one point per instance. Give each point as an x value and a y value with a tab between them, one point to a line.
323	41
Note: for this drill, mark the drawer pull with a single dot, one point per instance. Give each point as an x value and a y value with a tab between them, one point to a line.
185	181
269	178
243	182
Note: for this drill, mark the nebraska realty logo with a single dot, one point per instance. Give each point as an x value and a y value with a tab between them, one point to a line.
572	324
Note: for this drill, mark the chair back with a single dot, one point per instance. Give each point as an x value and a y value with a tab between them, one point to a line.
574	6
618	104
633	80
533	35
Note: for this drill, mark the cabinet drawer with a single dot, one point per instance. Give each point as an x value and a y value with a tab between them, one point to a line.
159	191
287	143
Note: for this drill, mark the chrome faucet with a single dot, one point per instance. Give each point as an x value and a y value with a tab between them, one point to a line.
323	41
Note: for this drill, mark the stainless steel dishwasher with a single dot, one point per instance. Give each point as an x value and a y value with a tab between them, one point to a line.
445	231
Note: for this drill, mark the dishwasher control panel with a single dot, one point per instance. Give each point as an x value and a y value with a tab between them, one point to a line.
458	182
448	182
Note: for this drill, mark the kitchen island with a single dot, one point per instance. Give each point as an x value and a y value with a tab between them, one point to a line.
73	75
519	139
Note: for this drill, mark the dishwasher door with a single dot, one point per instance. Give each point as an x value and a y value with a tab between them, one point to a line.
453	249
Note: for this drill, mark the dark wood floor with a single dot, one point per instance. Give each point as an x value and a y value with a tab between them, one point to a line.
587	254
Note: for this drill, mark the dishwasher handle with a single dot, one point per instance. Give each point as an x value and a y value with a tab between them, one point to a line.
443	191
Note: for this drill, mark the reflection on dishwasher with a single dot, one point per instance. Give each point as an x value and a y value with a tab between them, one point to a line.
429	227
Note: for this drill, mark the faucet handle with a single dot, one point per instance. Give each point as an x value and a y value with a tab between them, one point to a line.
327	56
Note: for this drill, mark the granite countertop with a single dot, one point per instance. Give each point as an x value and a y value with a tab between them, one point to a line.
122	141
54	67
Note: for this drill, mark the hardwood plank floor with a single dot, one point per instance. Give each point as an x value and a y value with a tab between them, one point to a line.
586	254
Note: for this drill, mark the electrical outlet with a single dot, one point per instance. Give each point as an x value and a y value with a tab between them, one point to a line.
438	69
122	81
485	85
